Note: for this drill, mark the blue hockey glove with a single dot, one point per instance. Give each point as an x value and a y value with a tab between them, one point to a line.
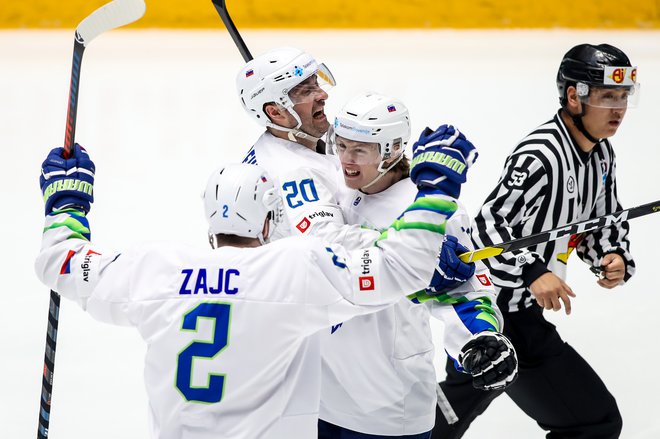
450	271
491	360
67	182
441	159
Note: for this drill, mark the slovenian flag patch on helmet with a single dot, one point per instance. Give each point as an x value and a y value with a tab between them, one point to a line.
249	73
391	108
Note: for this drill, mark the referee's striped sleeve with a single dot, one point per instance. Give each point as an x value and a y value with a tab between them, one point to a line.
611	239
520	190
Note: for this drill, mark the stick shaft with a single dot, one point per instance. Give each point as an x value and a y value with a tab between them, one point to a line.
109	16
559	232
221	7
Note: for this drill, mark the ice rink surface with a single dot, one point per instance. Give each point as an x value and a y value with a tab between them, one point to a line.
158	112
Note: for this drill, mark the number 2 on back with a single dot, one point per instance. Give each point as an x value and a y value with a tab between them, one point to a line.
220	315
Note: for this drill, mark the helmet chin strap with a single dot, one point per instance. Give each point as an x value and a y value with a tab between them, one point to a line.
213	241
294	133
382	172
577	121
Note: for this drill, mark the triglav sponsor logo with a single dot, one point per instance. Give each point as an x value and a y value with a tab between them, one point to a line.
366	283
303	225
366	262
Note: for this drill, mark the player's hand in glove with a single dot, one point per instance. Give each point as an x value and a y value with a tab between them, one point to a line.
450	271
441	159
491	360
67	182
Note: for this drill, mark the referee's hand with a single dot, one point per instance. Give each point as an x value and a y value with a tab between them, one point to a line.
613	270
549	291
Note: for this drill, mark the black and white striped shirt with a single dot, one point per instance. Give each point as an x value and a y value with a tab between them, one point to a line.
547	182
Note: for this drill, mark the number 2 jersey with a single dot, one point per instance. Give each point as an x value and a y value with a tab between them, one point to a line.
229	353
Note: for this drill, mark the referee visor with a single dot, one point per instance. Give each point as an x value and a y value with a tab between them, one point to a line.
609	97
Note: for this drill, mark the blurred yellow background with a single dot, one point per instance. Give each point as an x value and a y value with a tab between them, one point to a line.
459	14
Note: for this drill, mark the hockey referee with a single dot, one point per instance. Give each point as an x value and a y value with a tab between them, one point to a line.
564	171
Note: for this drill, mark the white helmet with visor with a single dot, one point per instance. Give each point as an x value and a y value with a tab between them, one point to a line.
382	126
270	78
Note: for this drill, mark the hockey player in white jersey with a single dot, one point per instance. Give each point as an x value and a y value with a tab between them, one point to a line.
284	90
227	329
378	376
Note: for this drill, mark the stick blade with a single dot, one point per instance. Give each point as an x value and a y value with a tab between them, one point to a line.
479	254
109	16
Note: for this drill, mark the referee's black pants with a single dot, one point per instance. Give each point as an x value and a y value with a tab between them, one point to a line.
556	387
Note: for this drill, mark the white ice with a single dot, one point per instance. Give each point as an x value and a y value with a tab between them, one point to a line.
158	111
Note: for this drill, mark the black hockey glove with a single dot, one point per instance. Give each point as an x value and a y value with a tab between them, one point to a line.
491	360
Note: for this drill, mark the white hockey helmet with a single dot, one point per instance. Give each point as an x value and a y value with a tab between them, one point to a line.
271	76
238	199
374	118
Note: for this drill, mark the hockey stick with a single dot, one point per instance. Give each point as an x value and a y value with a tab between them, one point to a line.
221	7
567	230
509	246
550	235
112	15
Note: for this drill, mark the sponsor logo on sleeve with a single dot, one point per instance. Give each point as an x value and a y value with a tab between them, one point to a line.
365	262
321	214
484	280
87	263
303	225
366	283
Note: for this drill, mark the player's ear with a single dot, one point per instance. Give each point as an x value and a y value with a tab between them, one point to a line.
266	230
572	100
275	113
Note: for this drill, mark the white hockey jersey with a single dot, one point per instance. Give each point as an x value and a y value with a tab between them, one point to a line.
227	330
378	376
308	183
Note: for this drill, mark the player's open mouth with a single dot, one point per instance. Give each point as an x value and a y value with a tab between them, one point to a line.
351	172
319	115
